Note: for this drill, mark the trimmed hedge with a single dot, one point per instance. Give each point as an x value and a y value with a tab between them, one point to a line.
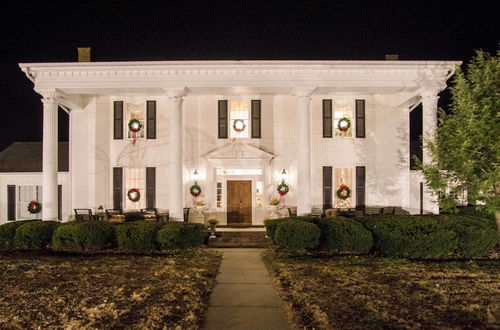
476	236
181	235
343	235
419	237
297	235
83	236
272	224
35	235
8	232
141	237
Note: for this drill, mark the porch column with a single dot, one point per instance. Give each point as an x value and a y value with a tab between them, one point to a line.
429	125
50	157
303	150
175	177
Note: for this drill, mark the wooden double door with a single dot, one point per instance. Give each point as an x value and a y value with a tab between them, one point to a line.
239	202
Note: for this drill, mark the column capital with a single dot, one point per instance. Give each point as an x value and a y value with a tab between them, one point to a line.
430	94
175	94
303	93
49	95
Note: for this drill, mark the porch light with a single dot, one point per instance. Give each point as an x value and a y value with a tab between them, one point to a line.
196	176
284	175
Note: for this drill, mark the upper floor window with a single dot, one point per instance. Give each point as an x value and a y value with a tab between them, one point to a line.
135	111
142	114
342	118
238	120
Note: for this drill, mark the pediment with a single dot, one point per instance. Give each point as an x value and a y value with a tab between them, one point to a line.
242	154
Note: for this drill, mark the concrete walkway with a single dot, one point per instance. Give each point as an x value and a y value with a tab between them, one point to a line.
244	296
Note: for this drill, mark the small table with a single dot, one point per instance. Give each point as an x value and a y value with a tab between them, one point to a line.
100	216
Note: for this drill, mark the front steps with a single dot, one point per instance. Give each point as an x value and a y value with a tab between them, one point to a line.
239	238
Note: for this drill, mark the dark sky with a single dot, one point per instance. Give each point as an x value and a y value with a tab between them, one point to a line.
50	31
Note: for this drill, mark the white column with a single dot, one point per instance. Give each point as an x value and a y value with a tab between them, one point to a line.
429	125
49	165
175	154
303	151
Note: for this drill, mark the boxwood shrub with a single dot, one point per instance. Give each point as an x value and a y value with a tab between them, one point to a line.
140	237
272	224
297	235
8	232
35	235
476	236
343	235
420	237
181	235
83	236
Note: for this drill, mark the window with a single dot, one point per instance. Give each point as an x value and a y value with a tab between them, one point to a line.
343	112
343	177
135	178
259	193
26	194
219	195
238	123
135	111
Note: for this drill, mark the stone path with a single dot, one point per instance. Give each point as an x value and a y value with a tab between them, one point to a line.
244	296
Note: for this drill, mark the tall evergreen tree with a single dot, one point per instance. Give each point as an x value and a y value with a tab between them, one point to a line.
466	149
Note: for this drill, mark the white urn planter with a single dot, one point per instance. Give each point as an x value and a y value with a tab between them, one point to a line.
274	210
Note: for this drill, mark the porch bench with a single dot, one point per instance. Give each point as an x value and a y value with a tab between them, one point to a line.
84	215
161	216
373	210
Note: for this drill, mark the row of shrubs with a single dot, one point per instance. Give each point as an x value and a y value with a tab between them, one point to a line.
420	237
77	236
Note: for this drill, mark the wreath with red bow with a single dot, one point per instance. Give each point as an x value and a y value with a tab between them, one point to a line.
134	195
34	207
344	192
239	125
283	189
344	124
195	190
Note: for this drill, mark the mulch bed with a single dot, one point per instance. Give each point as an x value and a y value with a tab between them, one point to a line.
358	292
106	290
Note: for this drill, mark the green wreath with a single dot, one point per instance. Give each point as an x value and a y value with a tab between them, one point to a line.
241	128
195	190
344	124
283	189
34	207
344	192
134	125
134	195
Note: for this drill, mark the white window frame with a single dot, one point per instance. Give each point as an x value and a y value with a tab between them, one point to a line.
128	116
134	178
233	134
336	187
352	118
22	206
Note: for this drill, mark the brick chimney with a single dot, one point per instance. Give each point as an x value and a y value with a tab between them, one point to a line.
83	54
392	57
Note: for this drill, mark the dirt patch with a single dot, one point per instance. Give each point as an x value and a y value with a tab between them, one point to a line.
352	292
106	291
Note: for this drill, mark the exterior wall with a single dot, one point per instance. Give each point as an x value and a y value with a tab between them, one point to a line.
32	179
384	151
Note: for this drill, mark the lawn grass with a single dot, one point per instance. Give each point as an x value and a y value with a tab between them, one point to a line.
106	290
351	292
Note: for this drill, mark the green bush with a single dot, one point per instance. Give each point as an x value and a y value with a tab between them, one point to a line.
83	236
297	235
8	232
272	224
344	235
181	235
35	235
421	237
133	216
476	236
140	237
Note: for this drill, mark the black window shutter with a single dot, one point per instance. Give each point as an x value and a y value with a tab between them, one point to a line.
150	187
327	187
360	186
223	119
118	120
360	118
256	115
11	202
327	119
151	119
117	187
59	202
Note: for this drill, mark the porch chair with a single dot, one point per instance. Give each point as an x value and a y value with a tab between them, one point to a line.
331	213
161	216
388	210
292	211
373	210
111	212
317	213
186	214
84	215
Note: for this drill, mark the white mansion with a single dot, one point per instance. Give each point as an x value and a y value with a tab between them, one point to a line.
236	128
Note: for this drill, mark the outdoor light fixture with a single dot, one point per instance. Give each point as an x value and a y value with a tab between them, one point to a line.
284	176
196	176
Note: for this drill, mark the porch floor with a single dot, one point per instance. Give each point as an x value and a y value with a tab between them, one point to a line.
238	229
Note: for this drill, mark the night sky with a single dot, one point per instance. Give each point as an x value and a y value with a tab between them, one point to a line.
50	31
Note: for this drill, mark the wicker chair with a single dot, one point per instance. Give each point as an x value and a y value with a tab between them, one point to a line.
111	212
